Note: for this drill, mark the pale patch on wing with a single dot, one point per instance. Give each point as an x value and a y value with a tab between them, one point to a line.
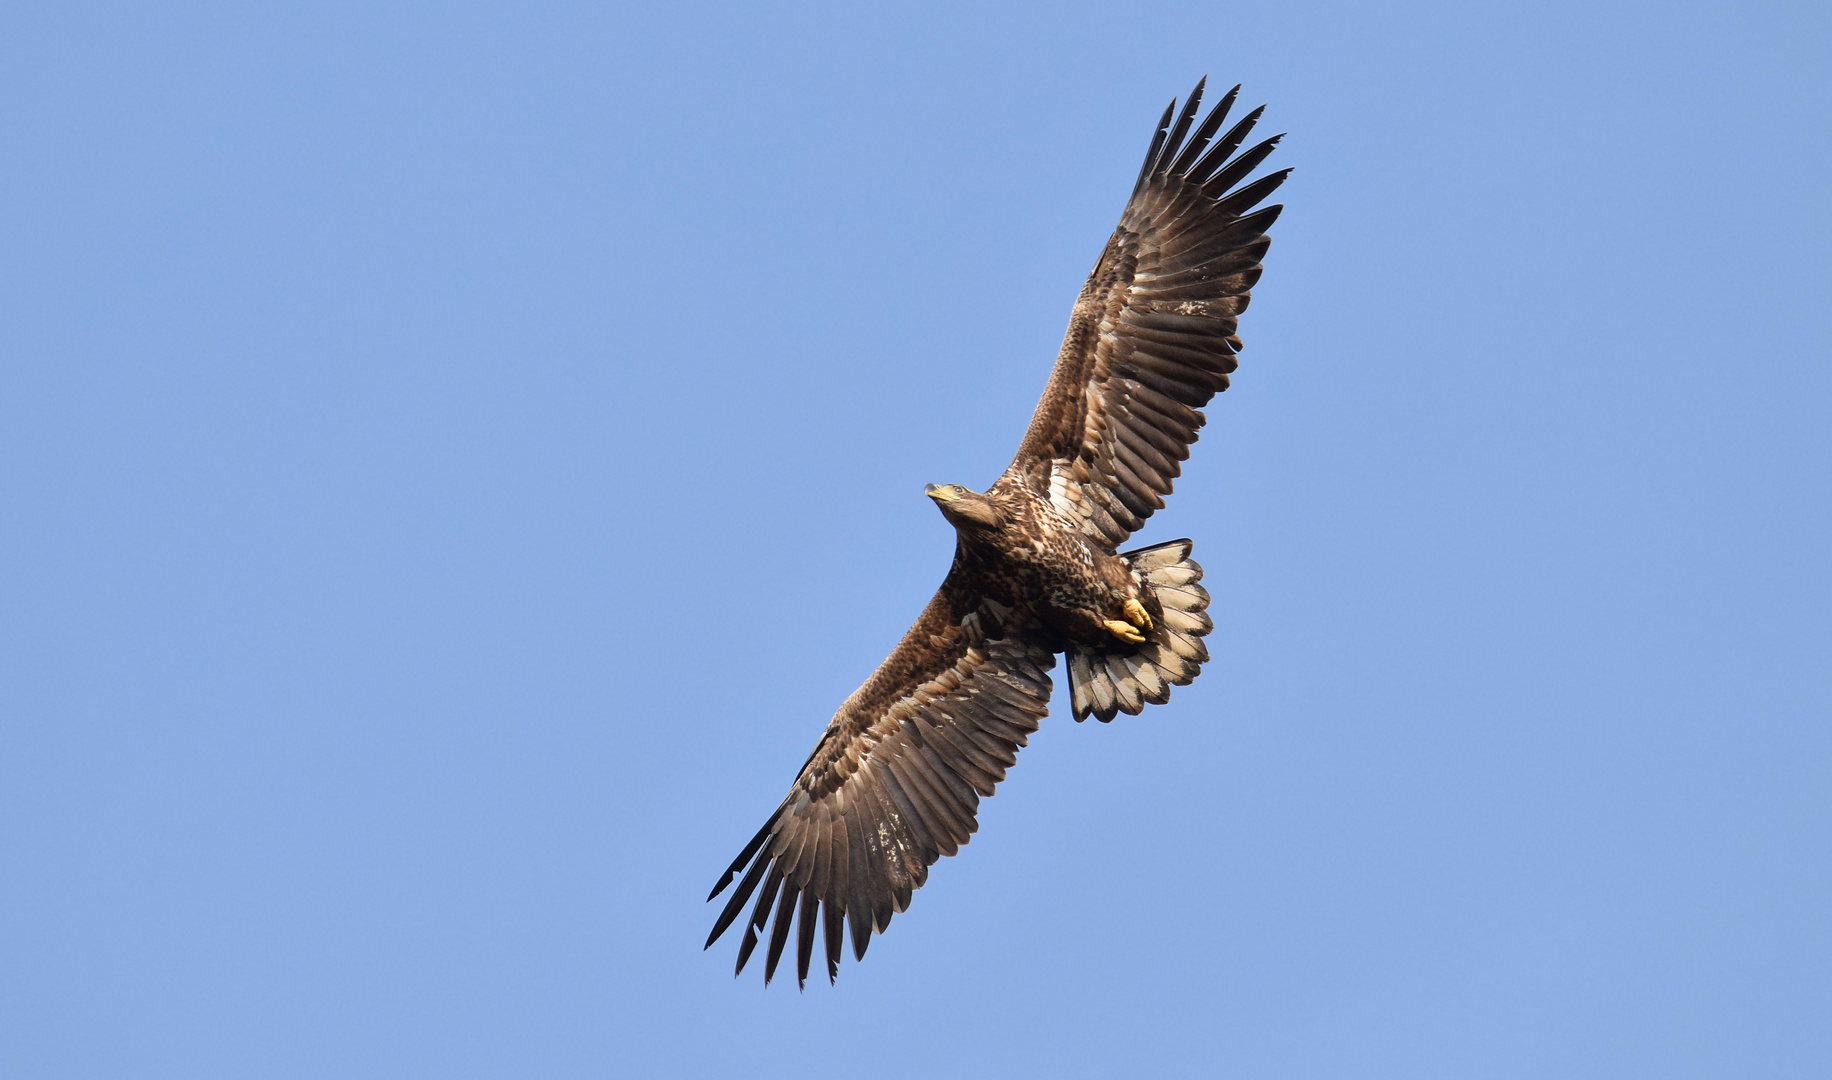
1065	493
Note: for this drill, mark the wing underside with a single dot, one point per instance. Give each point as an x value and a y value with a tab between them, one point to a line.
893	786
1153	334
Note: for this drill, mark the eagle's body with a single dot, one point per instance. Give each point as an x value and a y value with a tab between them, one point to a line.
1038	559
895	781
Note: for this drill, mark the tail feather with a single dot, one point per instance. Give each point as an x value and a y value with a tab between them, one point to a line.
1108	682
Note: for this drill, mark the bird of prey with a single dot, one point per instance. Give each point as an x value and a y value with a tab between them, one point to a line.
896	779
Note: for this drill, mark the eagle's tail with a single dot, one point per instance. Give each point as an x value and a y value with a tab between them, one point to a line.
1124	678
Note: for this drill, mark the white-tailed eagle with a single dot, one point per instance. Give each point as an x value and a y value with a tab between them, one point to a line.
896	779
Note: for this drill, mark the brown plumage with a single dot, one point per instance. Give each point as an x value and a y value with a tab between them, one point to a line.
896	779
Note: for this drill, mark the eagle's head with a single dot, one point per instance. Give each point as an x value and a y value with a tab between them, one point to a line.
965	509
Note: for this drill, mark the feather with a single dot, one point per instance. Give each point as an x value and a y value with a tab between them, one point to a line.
1201	364
1183	645
1157	142
804	938
1185	356
967	751
792	850
1190	597
732	906
839	863
759	916
1198	263
1236	170
959	796
1252	225
1158	449
897	871
1144	479
925	794
921	803
1102	690
1175	141
1015	729
1176	670
1172	386
820	847
1031	673
1169	410
1159	556
1204	133
1218	155
833	922
1131	489
865	878
996	750
1081	693
952	758
744	856
1198	651
890	790
1248	197
1125	691
1169	576
1145	675
779	930
1105	526
1116	509
1187	622
1003	698
1168	326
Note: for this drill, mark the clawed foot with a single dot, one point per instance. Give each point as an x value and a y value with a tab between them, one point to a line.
1135	614
1125	631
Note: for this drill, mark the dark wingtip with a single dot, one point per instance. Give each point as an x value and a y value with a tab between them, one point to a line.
1157	144
861	936
744	857
1218	154
1240	168
1173	141
1206	131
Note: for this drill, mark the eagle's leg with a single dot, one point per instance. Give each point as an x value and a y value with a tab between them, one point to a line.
1135	614
1125	631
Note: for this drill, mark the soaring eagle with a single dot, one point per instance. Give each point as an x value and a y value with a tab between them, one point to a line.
896	779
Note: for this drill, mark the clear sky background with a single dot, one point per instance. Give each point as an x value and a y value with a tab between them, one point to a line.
454	458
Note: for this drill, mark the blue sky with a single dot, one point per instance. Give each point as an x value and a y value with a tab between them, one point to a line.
455	459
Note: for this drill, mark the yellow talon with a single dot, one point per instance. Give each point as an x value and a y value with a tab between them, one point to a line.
1125	631
1135	614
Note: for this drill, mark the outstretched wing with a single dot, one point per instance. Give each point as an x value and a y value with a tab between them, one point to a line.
1152	337
894	783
